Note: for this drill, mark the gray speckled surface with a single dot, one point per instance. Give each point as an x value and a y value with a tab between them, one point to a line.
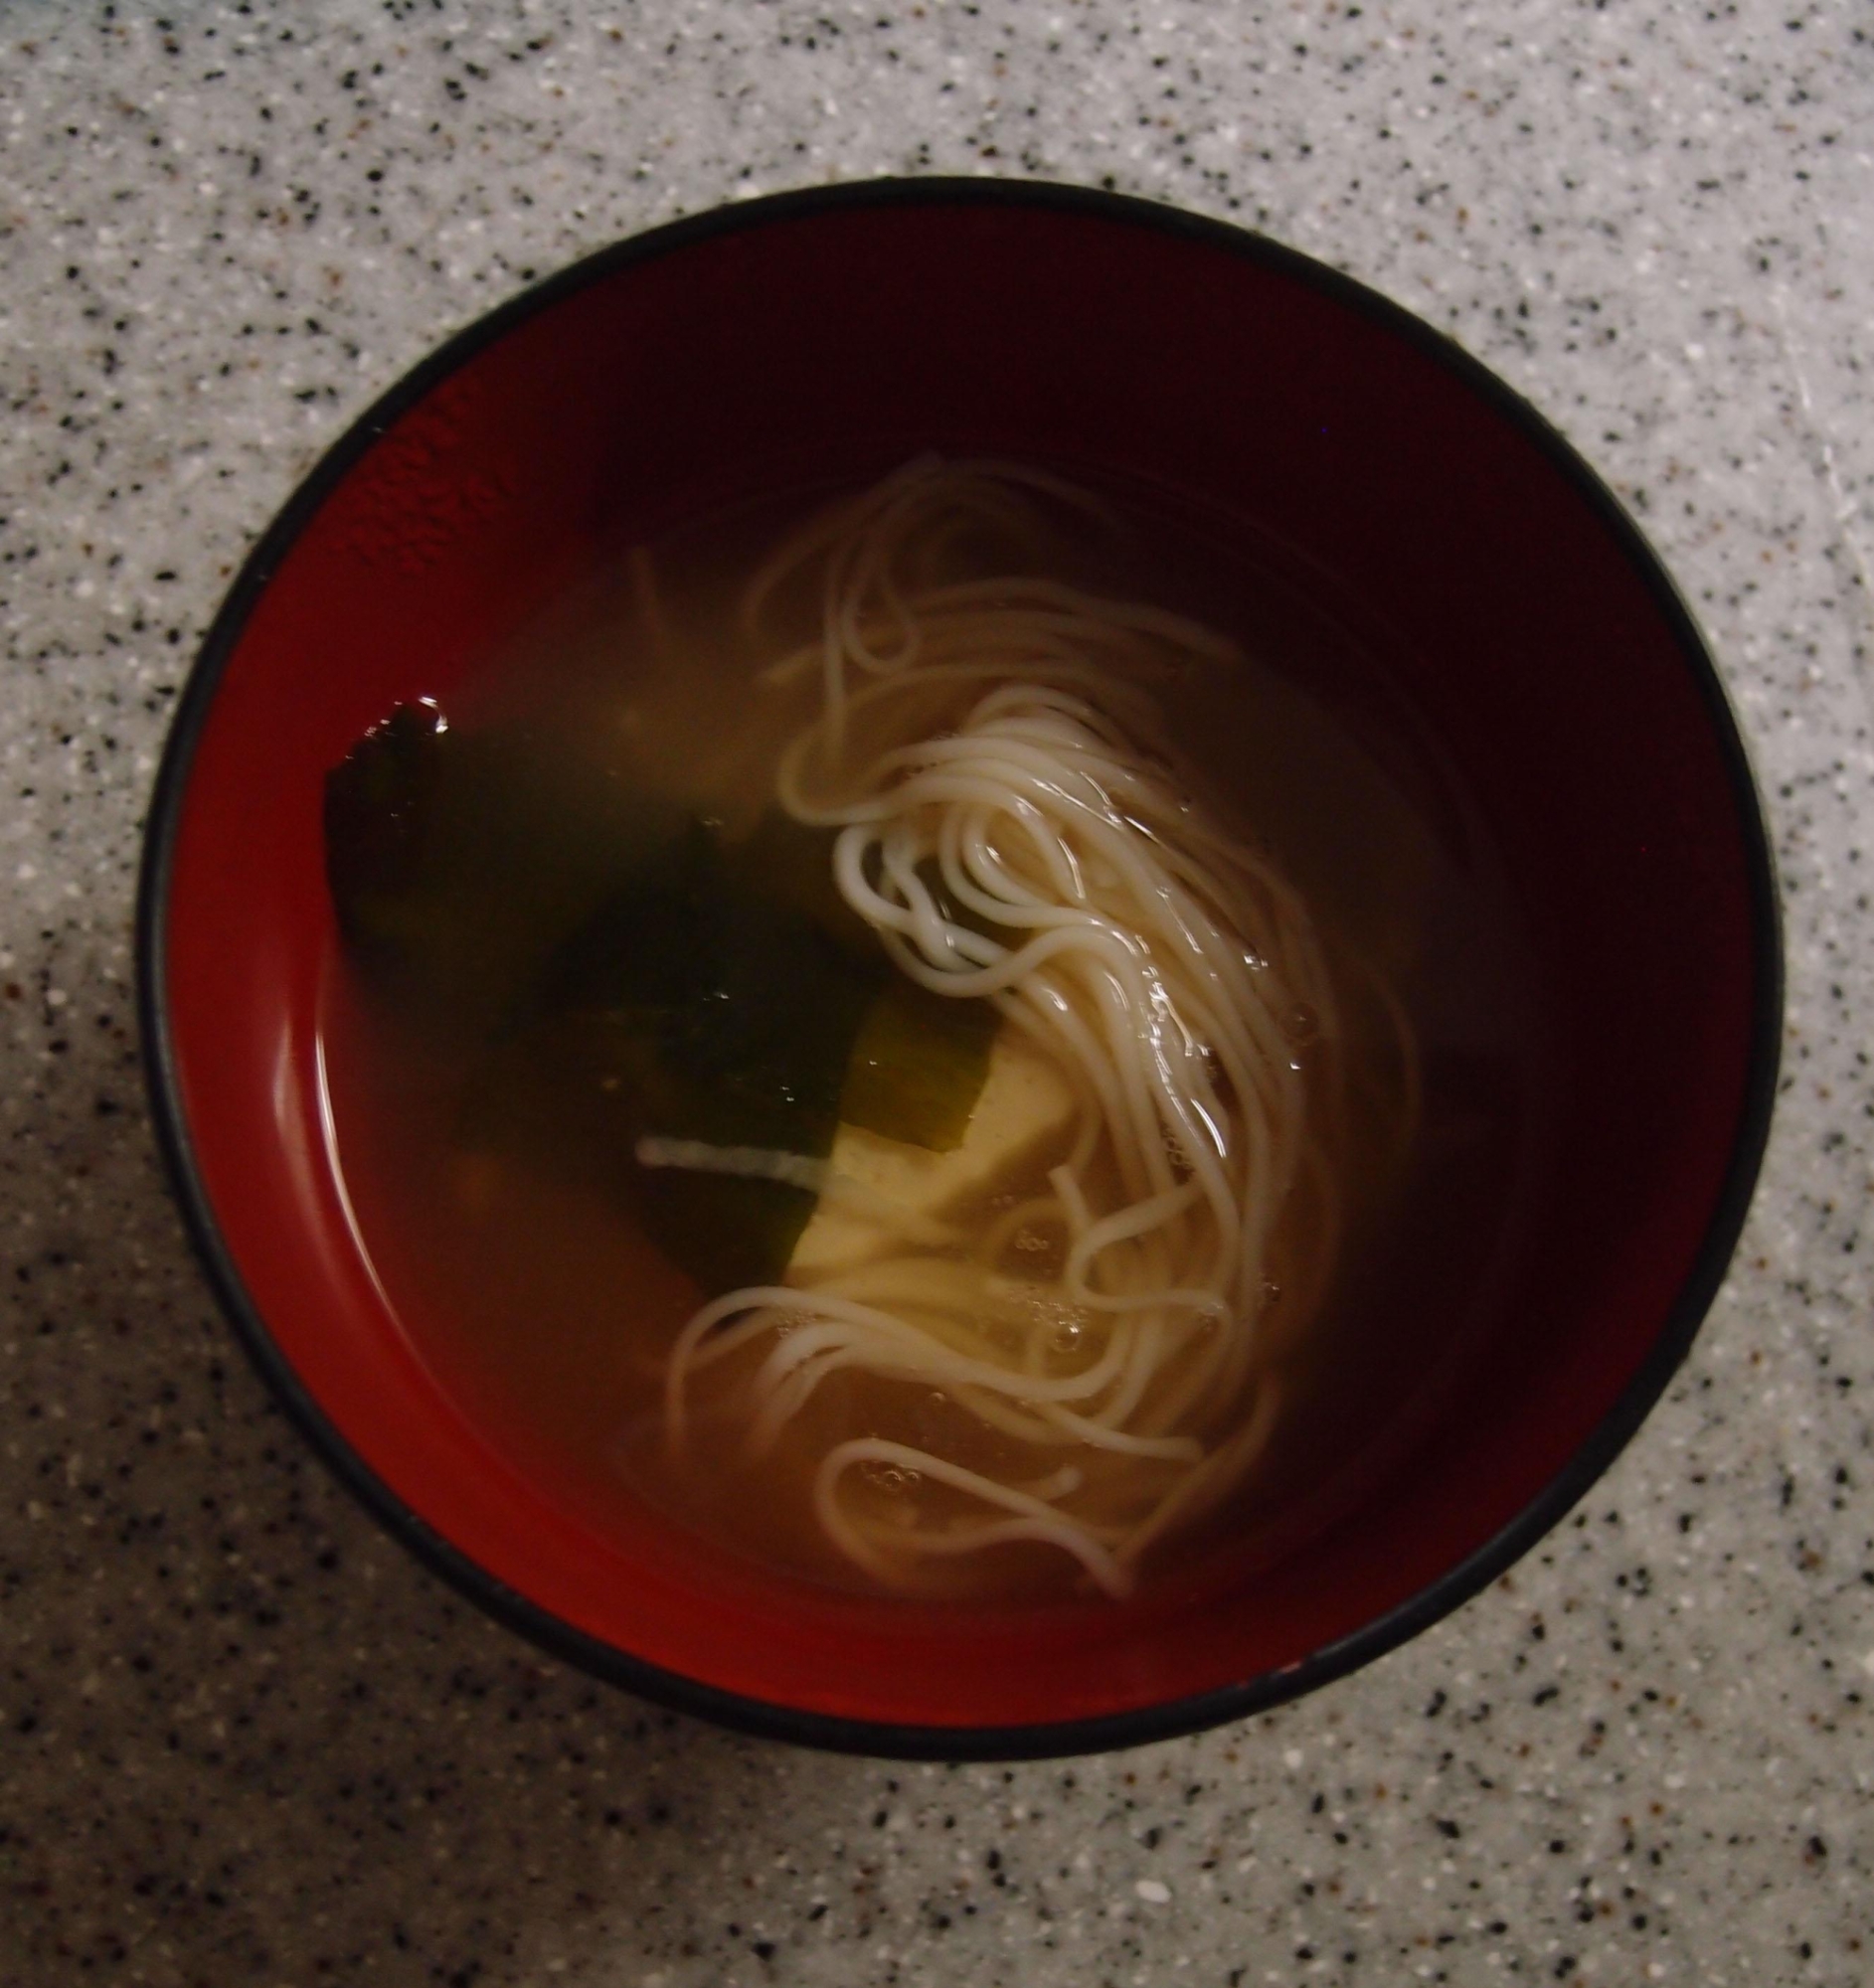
242	1740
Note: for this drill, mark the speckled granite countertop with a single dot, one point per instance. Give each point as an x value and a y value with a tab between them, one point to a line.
242	1740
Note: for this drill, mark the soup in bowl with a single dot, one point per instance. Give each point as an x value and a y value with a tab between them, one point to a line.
960	969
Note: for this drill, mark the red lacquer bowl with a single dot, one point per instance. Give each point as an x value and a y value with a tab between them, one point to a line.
1566	681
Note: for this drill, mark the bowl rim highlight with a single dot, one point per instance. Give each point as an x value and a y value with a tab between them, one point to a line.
773	1719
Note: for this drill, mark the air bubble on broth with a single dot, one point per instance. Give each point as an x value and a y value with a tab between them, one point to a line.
541	1303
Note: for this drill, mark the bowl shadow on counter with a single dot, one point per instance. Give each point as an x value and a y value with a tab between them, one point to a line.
247	1739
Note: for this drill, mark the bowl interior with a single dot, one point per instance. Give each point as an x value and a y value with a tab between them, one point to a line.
801	339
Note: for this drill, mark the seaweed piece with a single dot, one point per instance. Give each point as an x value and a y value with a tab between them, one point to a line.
751	1005
379	802
920	1058
634	977
459	862
918	1066
692	1005
576	1092
794	863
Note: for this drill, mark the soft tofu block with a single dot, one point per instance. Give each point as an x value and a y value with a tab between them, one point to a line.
1023	1117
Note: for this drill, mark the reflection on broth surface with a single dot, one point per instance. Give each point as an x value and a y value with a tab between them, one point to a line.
957	1038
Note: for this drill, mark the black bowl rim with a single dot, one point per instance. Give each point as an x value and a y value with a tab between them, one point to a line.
772	1720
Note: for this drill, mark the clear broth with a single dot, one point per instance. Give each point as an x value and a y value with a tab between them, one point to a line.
546	1313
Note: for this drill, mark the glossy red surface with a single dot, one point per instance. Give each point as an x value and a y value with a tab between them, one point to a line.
1548	655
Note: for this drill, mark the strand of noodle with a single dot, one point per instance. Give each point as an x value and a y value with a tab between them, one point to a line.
1041	1521
905	1342
812	736
1139	1369
1161	895
1217	1373
996	471
820	531
852	635
1016	916
999	887
931	947
1131	938
863	515
1143	1347
1123	1004
1015	963
972	875
865	564
784	1398
1174	1449
1076	606
1118	1227
728	1339
811	1351
813	1354
775	1297
1213	1479
1042	1011
802	1359
1001	779
833	696
989	1328
1066	1186
997	1411
934	934
897	922
1202	1299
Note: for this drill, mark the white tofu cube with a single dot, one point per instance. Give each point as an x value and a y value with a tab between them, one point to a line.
1022	1118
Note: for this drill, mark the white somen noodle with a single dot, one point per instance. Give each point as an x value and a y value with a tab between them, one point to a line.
1013	825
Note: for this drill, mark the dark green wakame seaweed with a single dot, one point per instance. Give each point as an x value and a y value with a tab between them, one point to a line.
918	1066
457	860
636	976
